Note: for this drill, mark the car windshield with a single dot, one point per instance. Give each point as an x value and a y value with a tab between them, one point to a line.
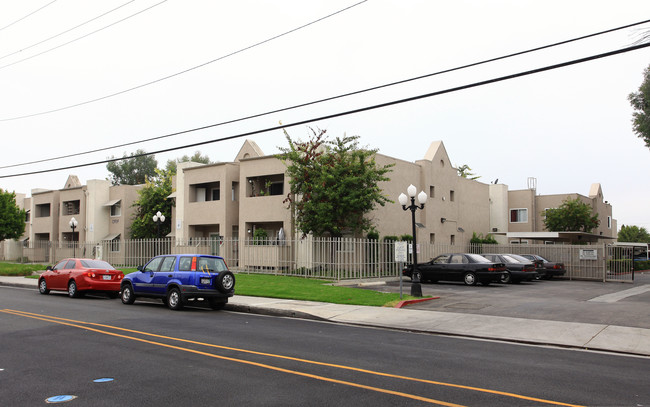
510	259
211	264
96	264
520	259
478	258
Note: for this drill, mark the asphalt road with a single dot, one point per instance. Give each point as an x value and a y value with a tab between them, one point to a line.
55	346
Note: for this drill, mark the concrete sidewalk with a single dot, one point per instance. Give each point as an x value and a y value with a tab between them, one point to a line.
611	338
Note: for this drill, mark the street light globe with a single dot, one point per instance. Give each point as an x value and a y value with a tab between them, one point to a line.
73	223
422	197
403	199
411	190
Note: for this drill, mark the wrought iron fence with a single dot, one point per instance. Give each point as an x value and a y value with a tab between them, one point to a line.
326	258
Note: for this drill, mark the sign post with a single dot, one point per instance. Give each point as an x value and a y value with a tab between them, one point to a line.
400	258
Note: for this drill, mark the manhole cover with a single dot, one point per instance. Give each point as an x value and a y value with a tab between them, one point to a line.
60	399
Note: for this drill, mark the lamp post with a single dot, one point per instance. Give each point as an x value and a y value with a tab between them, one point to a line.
416	288
73	224
158	219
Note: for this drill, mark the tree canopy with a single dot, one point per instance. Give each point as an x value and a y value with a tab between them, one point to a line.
333	184
640	101
572	216
133	169
153	198
464	171
633	234
197	158
12	218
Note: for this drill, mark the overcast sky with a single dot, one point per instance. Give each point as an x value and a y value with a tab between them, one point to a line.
568	128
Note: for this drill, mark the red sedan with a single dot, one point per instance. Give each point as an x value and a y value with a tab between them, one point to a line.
78	276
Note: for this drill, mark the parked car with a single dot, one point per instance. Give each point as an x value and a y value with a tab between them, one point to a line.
180	278
547	269
79	276
466	267
519	269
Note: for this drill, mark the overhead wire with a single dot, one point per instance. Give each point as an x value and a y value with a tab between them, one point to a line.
518	53
64	32
346	113
28	15
70	42
172	75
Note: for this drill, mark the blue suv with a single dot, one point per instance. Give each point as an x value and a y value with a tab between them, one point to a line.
179	278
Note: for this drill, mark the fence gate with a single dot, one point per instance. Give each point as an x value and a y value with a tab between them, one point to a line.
620	263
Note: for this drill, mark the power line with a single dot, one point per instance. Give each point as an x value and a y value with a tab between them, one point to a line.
346	113
70	42
338	96
172	75
65	32
24	17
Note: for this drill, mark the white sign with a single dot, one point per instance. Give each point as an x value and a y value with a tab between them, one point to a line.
588	254
400	252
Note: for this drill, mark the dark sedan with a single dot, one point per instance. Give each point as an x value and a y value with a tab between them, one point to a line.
547	269
466	267
519	268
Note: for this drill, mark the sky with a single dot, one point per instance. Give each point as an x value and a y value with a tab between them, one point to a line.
142	69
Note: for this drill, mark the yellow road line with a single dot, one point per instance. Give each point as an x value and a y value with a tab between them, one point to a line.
350	368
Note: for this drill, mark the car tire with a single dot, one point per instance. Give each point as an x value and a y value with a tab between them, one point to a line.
506	278
42	287
469	278
127	296
216	304
73	290
225	282
174	299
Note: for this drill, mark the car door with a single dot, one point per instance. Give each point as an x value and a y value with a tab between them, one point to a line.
164	274
456	267
143	280
57	277
438	269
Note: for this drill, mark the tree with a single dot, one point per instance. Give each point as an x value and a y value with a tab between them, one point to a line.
633	234
572	216
333	184
197	158
640	101
12	218
153	198
134	170
464	171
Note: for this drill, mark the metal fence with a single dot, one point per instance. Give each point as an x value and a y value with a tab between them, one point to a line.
336	259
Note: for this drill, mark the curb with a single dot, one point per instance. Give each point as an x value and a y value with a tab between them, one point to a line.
409	302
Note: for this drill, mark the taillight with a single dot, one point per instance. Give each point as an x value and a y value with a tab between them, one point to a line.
557	266
90	274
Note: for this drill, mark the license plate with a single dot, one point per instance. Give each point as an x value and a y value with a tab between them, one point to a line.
106	277
205	280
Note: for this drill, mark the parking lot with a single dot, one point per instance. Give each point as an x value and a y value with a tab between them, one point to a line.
611	303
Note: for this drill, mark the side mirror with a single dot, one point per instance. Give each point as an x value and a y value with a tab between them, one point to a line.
48	268
140	268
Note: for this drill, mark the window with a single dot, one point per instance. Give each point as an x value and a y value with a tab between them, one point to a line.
27	216
42	211
168	263
451	196
432	238
185	264
432	191
216	194
205	192
452	240
609	222
70	208
519	215
116	210
115	244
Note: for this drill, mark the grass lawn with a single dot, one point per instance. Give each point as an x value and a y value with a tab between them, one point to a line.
264	285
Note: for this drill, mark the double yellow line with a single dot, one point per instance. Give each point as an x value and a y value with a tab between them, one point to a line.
94	327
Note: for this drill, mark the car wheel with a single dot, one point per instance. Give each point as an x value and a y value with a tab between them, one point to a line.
506	278
216	304
127	294
73	292
469	278
42	287
416	276
174	299
225	282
